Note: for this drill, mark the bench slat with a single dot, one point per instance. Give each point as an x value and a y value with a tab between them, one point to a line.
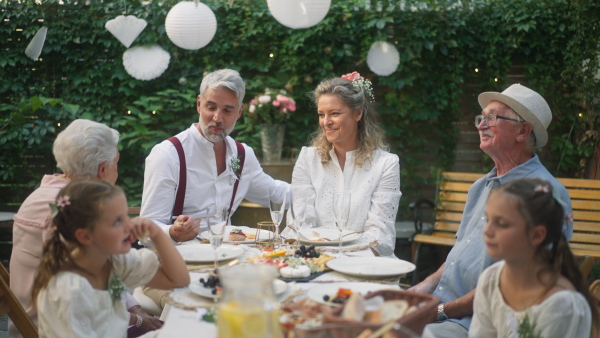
570	183
446	226
579	237
586	226
452	206
456	186
585	204
462	177
579	215
448	216
453	196
584	194
435	240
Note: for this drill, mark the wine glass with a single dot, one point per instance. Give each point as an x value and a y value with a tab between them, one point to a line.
341	212
217	228
277	197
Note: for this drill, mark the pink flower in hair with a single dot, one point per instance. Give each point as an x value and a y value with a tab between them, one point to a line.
63	201
354	76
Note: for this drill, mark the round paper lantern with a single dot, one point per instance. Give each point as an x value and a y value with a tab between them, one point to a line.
190	26
299	13
383	58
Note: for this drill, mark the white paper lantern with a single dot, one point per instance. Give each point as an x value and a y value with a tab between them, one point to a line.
383	58
146	63
126	28
299	13
191	26
34	49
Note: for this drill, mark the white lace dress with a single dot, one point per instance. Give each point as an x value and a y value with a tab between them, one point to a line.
70	307
564	314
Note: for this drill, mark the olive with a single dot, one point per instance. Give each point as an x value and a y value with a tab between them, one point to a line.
303	247
326	298
312	247
299	252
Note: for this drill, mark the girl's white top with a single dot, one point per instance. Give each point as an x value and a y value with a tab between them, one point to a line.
375	190
71	307
566	313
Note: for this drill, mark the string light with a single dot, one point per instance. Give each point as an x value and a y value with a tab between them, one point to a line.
580	115
154	112
496	79
476	70
58	124
271	55
129	112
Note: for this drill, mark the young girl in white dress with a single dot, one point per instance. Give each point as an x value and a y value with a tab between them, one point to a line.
88	261
537	287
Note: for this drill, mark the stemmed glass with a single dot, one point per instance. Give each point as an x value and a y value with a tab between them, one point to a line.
217	230
341	212
277	197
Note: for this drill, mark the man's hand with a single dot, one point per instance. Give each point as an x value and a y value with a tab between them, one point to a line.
184	228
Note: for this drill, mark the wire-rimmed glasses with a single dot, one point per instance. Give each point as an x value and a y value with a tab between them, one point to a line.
491	119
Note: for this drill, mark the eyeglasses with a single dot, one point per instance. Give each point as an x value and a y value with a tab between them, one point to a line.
490	119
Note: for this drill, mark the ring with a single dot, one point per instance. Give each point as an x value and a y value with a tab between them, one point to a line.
180	223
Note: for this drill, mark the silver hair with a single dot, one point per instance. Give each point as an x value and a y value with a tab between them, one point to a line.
83	146
227	78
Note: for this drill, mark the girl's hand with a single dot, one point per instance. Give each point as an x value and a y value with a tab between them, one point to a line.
143	228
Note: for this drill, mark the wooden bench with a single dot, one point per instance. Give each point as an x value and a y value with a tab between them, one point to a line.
450	203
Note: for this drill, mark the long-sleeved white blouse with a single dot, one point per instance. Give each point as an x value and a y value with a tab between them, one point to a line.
374	187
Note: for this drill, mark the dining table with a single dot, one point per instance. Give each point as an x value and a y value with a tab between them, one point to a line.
184	312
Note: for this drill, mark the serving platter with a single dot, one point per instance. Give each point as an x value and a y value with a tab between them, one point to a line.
329	236
263	235
204	253
381	267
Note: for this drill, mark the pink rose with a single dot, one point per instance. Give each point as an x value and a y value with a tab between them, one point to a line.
254	101
276	103
354	76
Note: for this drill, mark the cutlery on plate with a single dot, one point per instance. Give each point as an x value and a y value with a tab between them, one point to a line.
299	233
337	238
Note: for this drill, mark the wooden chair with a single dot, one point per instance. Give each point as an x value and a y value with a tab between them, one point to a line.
9	304
586	264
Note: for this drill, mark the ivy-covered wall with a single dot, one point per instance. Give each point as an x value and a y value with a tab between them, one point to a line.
80	74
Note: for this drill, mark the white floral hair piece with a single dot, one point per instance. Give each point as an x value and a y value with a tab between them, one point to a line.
63	201
360	82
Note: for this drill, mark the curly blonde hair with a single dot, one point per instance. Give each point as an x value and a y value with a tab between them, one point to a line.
370	135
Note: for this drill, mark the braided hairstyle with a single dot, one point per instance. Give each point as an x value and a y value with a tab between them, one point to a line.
79	205
538	206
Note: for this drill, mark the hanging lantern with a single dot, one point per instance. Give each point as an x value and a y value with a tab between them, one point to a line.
190	25
146	63
126	28
34	49
383	58
299	13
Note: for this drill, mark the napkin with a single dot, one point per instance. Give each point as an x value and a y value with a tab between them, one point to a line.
180	323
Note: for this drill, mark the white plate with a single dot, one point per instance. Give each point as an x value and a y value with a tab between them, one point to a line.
332	234
330	289
196	287
264	234
371	266
204	253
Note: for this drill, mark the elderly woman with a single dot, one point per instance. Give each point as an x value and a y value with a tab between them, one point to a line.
348	154
85	149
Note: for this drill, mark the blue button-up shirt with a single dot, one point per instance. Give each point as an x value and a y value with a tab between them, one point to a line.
468	258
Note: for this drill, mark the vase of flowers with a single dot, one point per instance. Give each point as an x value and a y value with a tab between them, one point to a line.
271	109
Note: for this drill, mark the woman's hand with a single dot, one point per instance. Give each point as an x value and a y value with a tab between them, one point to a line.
149	322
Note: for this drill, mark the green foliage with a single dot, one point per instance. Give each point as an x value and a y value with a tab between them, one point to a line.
527	329
440	44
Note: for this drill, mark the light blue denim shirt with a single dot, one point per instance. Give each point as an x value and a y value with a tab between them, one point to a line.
468	258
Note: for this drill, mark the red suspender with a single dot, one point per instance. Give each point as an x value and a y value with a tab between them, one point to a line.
180	196
242	156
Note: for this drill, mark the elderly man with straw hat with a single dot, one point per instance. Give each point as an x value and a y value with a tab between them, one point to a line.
511	126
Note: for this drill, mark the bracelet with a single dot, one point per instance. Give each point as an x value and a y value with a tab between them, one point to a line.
139	321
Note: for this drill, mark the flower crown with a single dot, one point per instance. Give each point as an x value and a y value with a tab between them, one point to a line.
360	82
61	203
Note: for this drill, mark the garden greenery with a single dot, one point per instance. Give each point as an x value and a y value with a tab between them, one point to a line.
441	43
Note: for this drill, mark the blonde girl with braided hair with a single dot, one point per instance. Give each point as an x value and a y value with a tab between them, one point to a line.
537	289
87	262
348	154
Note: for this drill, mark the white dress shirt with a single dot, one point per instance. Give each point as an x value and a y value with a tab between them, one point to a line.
205	190
374	187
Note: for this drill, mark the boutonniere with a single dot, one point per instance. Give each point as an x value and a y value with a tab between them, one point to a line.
235	167
115	287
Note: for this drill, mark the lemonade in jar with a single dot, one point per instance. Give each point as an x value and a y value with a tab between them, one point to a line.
248	308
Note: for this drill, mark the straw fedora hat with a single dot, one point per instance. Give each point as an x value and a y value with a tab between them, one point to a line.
530	105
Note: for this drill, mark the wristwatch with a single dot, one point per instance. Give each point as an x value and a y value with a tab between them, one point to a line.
441	314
